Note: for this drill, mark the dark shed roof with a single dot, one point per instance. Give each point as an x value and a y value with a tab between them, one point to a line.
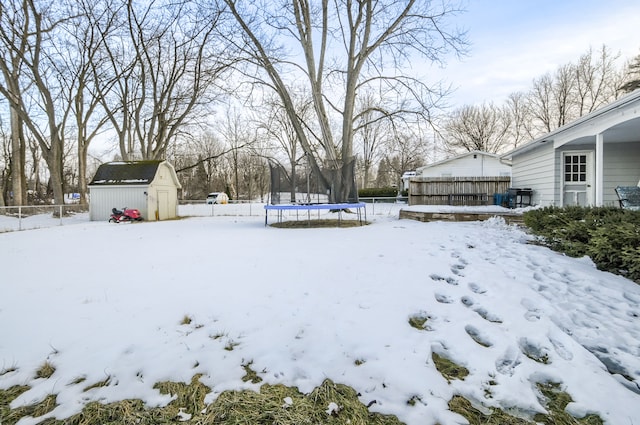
125	173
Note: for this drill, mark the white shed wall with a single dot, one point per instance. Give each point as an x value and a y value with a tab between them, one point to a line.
103	198
162	200
468	166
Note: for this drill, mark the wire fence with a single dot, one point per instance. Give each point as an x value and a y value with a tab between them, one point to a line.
28	217
42	216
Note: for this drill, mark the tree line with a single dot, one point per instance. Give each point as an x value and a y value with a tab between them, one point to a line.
556	98
221	88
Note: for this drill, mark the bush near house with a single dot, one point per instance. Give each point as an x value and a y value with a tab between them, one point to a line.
377	192
609	236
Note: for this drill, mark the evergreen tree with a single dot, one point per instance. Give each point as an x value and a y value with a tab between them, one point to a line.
632	77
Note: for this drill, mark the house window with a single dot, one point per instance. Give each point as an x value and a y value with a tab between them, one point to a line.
575	168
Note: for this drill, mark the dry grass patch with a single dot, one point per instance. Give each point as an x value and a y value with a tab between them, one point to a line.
277	404
419	321
188	397
251	375
45	371
463	407
318	223
449	369
329	403
99	384
556	401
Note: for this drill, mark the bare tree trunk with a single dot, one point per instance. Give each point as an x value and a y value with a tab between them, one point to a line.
368	38
18	156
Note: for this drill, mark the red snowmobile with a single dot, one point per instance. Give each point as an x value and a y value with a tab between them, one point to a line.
126	215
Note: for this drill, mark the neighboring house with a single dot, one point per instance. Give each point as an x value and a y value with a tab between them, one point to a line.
406	176
470	164
473	178
150	186
582	162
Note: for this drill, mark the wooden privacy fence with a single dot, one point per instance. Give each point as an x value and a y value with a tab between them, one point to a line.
456	190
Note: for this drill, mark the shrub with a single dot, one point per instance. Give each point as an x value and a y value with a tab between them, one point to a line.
609	236
373	192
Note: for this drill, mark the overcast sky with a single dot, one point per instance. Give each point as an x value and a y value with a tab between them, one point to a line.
515	41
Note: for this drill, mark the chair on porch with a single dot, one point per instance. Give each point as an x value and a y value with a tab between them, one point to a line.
629	197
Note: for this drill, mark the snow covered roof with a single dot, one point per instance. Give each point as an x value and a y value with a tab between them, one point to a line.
119	173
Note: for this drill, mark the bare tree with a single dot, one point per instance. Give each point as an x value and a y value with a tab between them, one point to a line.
596	80
404	150
14	27
518	114
276	127
198	160
238	135
479	127
372	131
4	162
39	107
365	38
163	62
563	95
80	52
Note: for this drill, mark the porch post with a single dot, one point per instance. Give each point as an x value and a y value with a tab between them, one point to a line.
599	201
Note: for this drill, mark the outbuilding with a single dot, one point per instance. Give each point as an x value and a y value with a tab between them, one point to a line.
468	164
150	186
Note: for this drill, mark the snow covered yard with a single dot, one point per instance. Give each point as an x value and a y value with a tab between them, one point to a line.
127	306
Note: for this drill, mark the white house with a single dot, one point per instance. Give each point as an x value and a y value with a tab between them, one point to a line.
582	162
469	164
150	186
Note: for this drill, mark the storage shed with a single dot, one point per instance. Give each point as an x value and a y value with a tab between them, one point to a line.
468	164
150	186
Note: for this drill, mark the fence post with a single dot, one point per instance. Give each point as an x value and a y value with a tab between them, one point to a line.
19	217
60	215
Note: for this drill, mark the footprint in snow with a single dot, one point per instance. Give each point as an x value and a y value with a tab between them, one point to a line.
475	288
560	349
633	298
532	314
466	300
457	269
507	363
534	350
444	299
488	316
449	280
478	336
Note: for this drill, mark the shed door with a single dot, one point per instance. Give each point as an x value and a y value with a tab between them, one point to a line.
577	179
163	205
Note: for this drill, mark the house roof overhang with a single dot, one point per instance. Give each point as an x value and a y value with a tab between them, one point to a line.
618	121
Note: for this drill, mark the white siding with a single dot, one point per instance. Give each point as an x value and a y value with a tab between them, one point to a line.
468	166
104	198
162	200
621	168
535	169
